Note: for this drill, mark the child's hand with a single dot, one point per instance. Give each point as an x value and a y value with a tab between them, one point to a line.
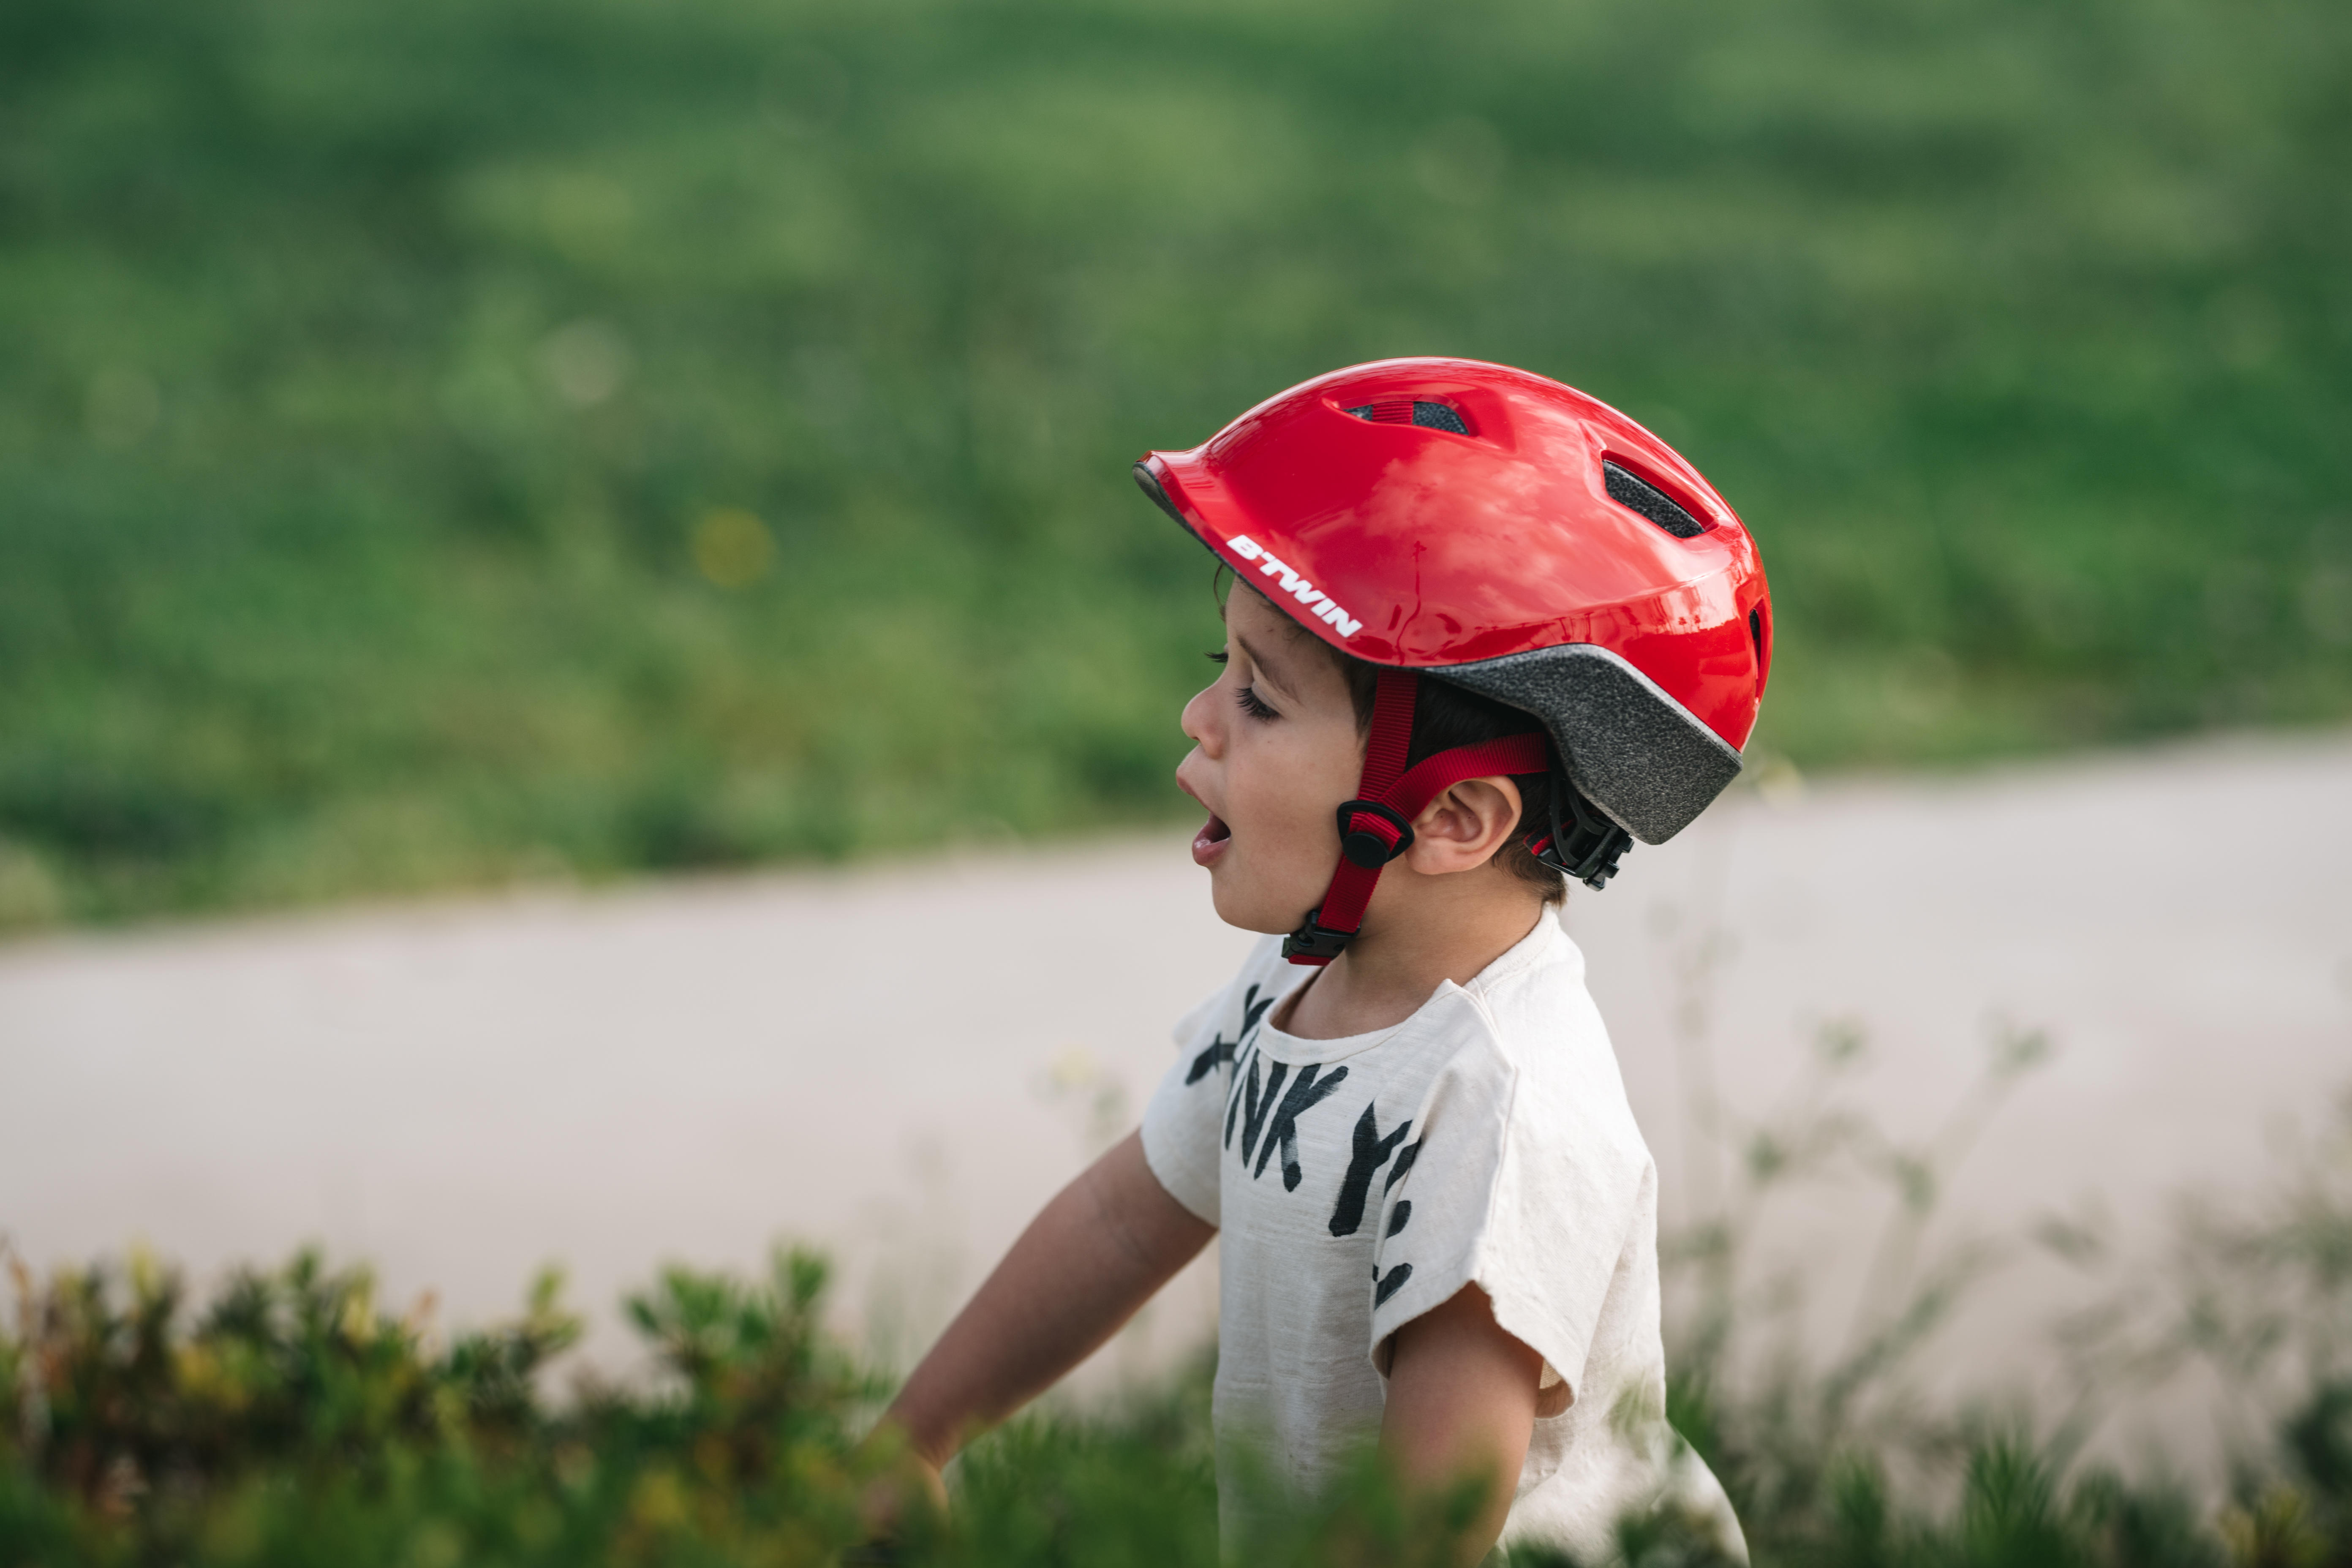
1096	1253
902	1489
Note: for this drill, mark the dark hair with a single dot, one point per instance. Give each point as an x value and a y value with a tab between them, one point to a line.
1445	716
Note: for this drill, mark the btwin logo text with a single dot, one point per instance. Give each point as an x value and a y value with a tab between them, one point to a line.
1323	607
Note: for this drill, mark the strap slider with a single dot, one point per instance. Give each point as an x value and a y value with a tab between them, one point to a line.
1365	846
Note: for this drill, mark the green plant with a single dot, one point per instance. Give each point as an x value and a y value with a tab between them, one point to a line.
287	1422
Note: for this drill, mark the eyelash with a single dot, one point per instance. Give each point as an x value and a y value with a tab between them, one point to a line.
1251	702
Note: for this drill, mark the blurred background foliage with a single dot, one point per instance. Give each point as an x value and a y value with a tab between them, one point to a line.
446	443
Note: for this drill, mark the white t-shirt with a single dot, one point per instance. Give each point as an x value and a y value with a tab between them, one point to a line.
1358	1183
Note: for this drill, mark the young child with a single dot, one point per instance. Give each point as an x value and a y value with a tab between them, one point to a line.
1487	631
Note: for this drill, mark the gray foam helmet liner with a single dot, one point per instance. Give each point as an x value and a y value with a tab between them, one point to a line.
1636	754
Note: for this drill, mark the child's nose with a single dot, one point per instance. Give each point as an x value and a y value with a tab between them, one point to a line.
1198	724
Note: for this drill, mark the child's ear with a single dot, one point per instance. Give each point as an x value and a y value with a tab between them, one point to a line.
1465	825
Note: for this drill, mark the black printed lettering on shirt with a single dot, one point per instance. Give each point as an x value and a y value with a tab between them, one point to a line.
1256	1110
1233	1095
1370	1150
1403	1163
1387	1285
1220	1049
1305	1095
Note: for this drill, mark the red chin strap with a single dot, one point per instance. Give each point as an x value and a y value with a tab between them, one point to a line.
1377	827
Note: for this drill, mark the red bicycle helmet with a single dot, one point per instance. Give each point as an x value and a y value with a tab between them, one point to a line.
1511	535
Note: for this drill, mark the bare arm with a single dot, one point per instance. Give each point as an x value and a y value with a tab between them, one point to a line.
1461	1402
1092	1255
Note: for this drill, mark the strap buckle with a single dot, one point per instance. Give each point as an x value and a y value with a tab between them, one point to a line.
1315	942
1365	847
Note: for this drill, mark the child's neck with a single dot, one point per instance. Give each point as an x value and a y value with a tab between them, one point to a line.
1431	934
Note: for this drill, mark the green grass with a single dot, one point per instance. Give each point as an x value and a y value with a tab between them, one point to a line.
388	387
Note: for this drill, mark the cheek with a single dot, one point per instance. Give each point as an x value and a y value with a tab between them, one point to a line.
1285	787
1282	783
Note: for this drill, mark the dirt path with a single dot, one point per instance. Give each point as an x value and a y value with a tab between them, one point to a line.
900	1063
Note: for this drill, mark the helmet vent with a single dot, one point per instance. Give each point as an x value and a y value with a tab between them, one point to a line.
1404	411
1649	501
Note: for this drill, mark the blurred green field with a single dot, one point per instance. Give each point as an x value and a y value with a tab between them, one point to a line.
443	443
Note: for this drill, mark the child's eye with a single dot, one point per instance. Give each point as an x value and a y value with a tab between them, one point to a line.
1216	658
1252	703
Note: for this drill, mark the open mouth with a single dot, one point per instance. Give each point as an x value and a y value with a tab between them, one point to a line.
1211	840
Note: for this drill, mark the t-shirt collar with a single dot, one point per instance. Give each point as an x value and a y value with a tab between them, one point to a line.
1527	951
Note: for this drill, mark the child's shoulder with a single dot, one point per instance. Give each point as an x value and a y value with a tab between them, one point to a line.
1538	1026
1534	1003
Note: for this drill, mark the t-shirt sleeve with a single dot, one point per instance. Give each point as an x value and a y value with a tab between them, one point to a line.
1180	1135
1512	1186
1180	1140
